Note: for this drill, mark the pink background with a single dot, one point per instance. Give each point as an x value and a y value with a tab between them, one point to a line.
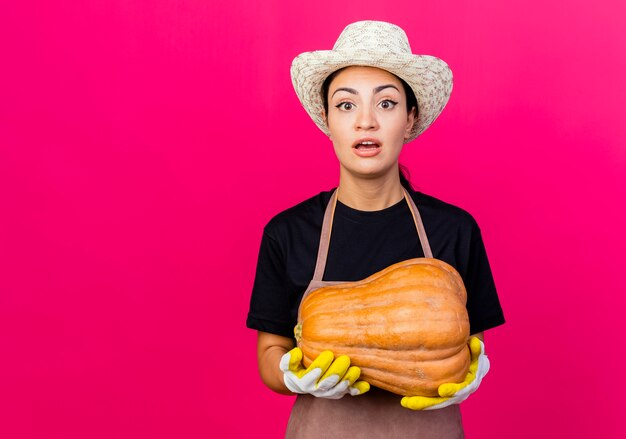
144	145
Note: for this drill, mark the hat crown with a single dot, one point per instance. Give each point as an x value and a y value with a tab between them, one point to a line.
375	36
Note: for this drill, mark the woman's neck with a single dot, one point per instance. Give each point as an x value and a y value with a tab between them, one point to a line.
369	194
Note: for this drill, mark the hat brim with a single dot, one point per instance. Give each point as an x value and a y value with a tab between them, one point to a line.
429	77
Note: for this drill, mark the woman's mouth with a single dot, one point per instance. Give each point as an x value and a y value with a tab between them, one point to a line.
366	148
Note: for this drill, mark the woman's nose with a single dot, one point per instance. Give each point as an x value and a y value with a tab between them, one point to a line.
366	119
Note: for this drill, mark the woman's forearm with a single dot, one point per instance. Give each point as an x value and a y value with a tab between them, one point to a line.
271	348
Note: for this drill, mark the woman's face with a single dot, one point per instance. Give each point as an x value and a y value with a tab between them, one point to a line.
368	120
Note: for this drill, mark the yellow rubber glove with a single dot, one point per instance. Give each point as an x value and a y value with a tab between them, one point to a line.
326	377
455	393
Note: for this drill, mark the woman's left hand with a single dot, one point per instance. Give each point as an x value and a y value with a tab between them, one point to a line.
455	393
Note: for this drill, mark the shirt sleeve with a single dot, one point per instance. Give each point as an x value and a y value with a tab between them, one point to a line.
271	301
483	305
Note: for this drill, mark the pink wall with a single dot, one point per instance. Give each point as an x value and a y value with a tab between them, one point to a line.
144	145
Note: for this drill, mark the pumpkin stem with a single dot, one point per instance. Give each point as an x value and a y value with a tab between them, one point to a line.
297	332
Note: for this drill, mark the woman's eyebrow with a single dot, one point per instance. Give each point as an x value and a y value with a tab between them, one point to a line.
349	90
382	87
376	90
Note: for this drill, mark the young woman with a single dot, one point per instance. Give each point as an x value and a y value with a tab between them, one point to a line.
371	96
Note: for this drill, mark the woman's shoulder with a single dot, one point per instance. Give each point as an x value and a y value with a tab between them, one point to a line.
307	213
435	209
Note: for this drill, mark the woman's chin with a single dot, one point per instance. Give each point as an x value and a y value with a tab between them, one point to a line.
368	172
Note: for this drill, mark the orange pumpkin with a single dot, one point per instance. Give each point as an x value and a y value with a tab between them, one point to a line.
406	326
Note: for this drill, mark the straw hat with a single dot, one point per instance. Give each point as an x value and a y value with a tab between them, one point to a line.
375	44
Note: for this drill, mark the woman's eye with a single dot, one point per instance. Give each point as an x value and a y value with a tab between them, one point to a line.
388	104
345	106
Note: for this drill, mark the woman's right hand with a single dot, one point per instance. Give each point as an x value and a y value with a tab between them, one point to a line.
326	377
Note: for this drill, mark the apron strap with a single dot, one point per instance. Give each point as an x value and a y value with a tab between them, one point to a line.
322	253
419	225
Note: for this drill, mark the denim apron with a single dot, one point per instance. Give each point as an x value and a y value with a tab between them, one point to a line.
377	413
